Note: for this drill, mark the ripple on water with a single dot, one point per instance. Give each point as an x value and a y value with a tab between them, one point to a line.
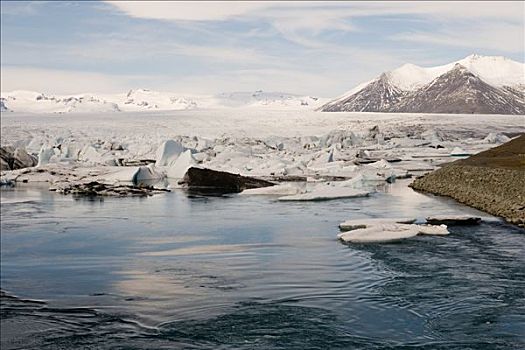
231	274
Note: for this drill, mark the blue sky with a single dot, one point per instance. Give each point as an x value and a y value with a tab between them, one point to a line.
317	48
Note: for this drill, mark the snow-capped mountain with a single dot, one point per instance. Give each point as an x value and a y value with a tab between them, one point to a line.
30	101
149	100
460	91
475	84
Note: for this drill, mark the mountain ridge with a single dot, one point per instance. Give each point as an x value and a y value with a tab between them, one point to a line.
499	89
150	100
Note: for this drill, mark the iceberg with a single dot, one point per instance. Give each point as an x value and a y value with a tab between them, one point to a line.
45	155
134	174
181	165
168	152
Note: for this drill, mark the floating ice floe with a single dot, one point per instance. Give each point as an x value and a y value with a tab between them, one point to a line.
181	165
281	190
355	224
323	193
452	220
390	232
380	233
168	152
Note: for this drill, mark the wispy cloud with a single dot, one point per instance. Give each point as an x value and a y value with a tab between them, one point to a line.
317	47
504	37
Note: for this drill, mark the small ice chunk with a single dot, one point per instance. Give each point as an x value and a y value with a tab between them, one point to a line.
380	164
146	173
326	193
281	190
438	230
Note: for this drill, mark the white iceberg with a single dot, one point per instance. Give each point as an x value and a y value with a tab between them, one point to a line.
181	165
168	152
45	155
134	174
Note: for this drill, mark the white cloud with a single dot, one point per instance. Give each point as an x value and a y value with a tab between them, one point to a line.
187	10
301	22
223	10
494	36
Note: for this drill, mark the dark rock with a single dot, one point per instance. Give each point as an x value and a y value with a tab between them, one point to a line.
221	180
12	159
137	162
4	165
453	221
22	159
95	188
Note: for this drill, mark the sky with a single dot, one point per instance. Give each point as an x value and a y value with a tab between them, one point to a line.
312	48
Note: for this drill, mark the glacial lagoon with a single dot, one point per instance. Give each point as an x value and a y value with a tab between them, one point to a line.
242	272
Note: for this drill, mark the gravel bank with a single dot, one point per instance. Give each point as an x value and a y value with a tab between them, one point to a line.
492	181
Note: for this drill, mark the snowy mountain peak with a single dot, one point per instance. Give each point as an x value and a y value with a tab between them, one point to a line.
405	89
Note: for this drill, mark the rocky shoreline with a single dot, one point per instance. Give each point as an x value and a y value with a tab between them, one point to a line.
492	181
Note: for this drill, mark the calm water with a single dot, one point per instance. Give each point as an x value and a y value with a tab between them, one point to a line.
173	271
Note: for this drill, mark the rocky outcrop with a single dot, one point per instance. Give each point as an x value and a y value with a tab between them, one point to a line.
492	181
15	158
221	181
95	188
